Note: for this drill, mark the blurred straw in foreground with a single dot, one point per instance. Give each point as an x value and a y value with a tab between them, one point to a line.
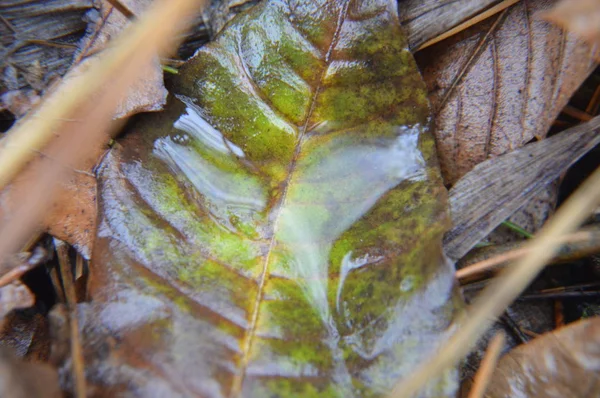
76	117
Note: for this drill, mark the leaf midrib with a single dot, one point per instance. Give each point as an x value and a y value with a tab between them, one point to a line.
251	331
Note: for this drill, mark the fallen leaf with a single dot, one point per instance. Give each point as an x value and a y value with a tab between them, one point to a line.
531	216
26	333
19	379
498	187
499	84
148	93
562	363
74	223
73	212
277	230
15	295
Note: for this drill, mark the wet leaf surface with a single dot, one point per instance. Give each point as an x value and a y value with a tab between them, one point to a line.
277	230
563	363
499	84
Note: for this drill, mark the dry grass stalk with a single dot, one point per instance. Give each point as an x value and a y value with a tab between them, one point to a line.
484	374
470	22
69	289
495	262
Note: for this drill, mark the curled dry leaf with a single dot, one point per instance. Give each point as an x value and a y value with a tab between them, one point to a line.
499	84
277	230
562	363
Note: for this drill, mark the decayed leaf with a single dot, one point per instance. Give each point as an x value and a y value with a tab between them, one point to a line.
15	295
496	188
531	216
499	84
26	333
20	379
563	363
277	230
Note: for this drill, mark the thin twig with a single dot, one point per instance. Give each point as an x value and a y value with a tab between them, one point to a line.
14	274
76	351
576	113
514	327
484	374
495	299
493	263
470	22
561	295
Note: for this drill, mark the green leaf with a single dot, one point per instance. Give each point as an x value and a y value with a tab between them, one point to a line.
277	230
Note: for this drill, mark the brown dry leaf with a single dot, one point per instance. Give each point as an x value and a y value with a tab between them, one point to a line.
499	84
26	333
581	17
562	363
148	93
15	295
19	379
73	215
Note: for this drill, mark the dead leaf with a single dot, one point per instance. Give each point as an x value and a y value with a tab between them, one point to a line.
499	84
531	216
15	295
19	379
498	187
148	93
237	219
562	363
72	217
26	332
580	17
